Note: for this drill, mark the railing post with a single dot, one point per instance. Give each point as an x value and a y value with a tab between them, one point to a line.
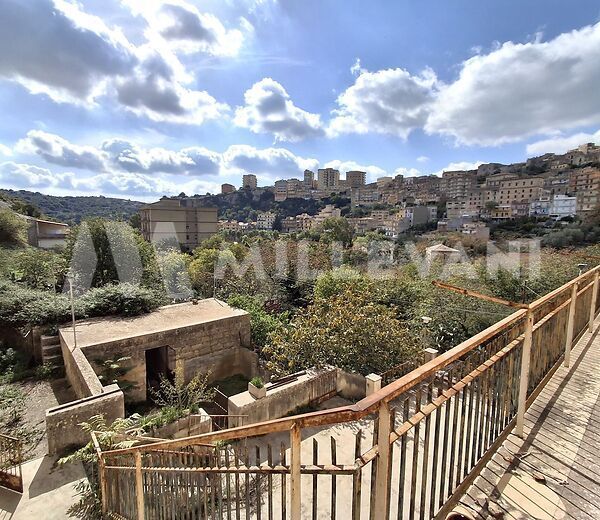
103	484
382	483
594	301
295	473
139	486
524	379
571	324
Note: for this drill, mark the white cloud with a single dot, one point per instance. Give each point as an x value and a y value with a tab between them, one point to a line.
77	58
56	150
390	101
130	157
345	166
422	159
408	172
5	150
18	175
356	69
520	90
269	109
270	163
459	166
561	143
70	60
182	27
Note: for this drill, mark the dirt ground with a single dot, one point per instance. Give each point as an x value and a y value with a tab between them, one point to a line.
39	396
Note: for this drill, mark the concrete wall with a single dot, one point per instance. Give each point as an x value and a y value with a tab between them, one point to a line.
309	388
351	386
218	347
62	422
79	372
185	427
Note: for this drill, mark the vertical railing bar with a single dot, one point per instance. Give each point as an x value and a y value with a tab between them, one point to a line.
283	482
270	483
524	377
333	478
357	479
257	486
315	459
402	470
415	461
425	470
295	475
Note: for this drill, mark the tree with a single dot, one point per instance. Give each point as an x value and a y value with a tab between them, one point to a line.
338	229
13	229
347	331
40	269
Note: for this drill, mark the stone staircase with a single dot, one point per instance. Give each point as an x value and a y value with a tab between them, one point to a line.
51	352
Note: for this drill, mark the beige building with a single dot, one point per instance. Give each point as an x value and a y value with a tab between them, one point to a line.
227	188
265	220
585	184
355	179
249	181
328	178
457	184
46	234
184	219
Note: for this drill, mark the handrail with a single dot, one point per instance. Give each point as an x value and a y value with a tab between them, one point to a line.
371	403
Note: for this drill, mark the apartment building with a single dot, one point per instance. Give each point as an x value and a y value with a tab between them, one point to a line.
456	184
265	220
309	179
328	178
182	218
329	211
249	181
227	188
563	206
585	185
355	179
508	190
46	234
365	196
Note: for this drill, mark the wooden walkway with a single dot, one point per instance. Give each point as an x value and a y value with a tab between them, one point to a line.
554	472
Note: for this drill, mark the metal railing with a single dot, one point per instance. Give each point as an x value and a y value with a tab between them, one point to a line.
406	451
11	458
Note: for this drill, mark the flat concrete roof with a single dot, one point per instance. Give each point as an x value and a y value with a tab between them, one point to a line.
97	331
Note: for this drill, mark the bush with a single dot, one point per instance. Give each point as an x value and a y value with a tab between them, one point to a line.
261	322
257	382
120	300
13	229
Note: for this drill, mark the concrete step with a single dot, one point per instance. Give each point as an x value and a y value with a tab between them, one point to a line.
49	340
55	359
50	350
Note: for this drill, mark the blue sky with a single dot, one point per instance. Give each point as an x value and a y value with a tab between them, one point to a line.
140	98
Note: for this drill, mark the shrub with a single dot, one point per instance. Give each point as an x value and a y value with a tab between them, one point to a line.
13	229
124	299
257	382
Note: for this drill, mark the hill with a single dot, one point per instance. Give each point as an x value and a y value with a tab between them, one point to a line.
73	209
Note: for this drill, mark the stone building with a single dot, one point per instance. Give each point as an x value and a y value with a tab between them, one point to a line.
182	218
206	337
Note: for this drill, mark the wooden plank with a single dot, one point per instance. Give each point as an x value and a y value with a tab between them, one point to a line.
295	475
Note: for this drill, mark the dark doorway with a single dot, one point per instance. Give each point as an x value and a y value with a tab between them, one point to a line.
157	365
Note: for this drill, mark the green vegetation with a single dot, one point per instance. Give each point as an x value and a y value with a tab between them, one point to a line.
257	382
13	229
71	210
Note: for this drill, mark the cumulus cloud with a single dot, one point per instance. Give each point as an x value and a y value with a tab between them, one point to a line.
5	150
390	101
130	157
269	109
77	58
520	90
184	28
422	159
408	172
268	162
561	143
57	150
459	166
71	59
18	175
345	166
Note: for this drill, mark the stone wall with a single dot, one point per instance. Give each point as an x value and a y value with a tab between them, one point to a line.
351	386
79	373
312	387
185	427
218	347
62	422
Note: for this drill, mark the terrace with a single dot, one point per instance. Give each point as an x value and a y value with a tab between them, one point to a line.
500	425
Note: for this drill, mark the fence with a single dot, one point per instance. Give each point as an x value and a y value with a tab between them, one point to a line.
406	451
11	457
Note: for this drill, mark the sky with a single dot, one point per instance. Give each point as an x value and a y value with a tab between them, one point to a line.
142	98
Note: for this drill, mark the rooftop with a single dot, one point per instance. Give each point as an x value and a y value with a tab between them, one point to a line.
97	331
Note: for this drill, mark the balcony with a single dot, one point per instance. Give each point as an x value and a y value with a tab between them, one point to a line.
503	425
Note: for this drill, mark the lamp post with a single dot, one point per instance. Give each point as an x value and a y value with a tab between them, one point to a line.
70	280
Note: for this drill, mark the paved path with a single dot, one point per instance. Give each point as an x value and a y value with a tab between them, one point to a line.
554	472
48	492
